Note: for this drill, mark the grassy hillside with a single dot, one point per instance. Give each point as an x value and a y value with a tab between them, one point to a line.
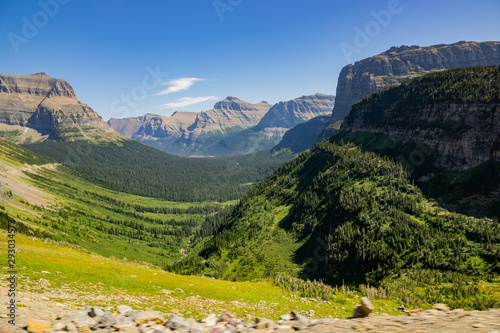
56	269
135	168
49	201
345	216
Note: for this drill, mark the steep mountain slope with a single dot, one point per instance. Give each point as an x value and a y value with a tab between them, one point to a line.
189	133
49	107
444	126
403	63
342	215
303	136
271	128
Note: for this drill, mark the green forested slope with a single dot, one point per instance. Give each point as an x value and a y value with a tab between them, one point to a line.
49	201
135	168
444	127
344	215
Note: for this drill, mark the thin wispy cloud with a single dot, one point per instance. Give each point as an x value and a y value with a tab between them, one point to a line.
180	84
186	101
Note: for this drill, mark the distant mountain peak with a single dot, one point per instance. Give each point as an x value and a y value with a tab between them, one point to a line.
50	107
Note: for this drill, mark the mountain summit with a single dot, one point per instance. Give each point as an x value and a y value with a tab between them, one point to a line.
47	108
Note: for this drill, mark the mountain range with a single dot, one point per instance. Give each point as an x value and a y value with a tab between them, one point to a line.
232	127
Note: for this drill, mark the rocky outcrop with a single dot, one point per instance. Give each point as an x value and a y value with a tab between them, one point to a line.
403	63
454	114
460	136
49	106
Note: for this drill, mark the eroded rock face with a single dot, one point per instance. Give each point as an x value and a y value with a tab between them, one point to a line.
49	106
289	114
403	63
460	136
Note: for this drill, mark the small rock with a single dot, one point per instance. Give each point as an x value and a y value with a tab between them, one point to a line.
210	320
71	327
58	326
441	307
401	308
198	328
286	317
133	314
123	309
226	316
38	326
366	305
297	316
145	317
122	322
358	312
95	312
234	322
107	320
263	323
300	325
179	290
176	323
190	321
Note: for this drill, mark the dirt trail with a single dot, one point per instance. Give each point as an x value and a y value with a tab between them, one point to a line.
13	178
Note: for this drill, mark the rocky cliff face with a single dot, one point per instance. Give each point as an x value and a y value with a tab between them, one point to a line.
403	63
49	106
285	115
454	114
460	136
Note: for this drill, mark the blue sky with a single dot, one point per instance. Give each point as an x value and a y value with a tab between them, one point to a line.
127	58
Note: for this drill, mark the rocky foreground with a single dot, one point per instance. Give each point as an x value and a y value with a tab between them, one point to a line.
126	320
